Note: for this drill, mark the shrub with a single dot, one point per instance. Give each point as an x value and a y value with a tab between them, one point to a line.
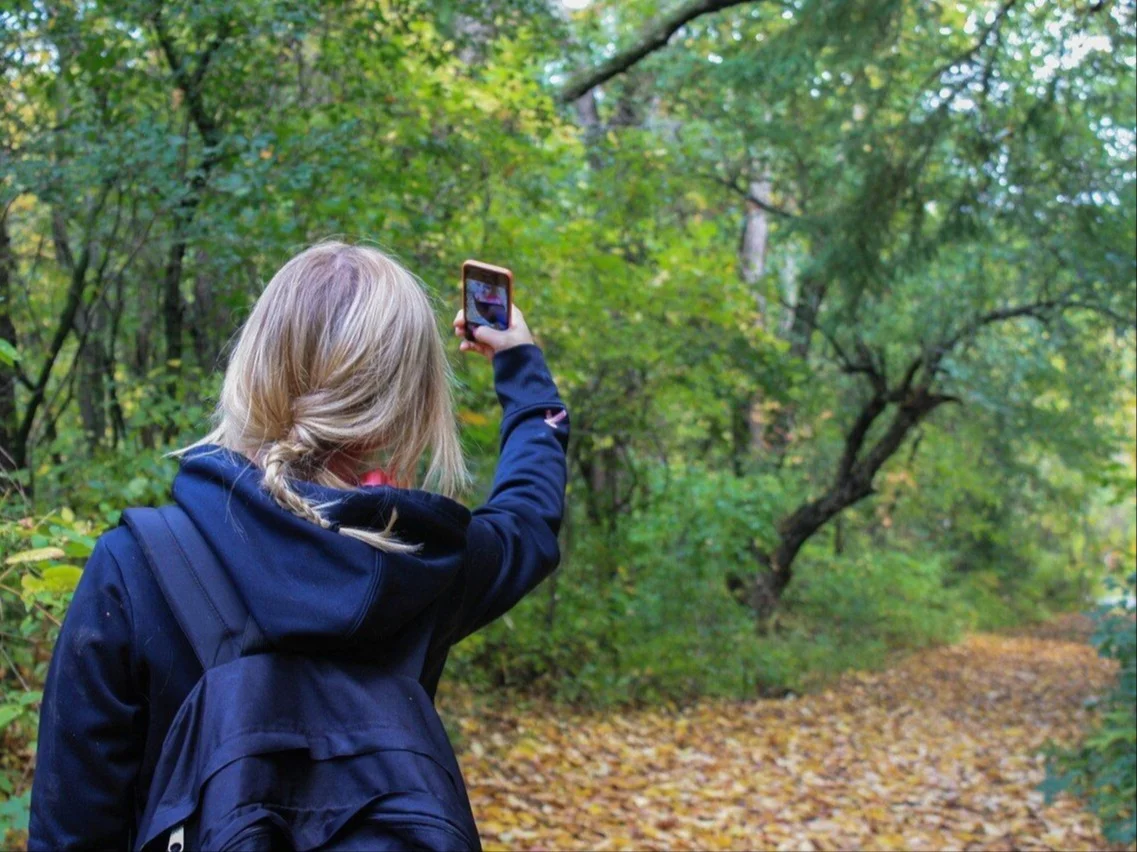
645	615
1103	769
39	568
895	597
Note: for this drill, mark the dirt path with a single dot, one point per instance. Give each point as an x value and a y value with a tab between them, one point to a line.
941	752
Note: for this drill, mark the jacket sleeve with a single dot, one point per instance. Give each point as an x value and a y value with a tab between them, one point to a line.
512	540
92	721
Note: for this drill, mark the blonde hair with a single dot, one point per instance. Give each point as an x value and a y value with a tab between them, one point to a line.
341	359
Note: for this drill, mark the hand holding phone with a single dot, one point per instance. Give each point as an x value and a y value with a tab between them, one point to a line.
489	322
489	341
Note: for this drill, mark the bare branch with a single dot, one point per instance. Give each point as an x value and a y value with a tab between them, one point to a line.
207	55
910	413
22	377
855	439
867	365
190	82
76	288
1037	310
901	390
748	196
653	37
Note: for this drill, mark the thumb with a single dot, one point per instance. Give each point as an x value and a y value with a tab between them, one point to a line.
489	336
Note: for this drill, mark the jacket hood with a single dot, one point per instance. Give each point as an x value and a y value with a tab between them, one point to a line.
313	588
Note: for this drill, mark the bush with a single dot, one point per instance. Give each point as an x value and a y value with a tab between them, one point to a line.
998	602
852	611
1103	770
617	632
642	614
646	616
896	597
39	568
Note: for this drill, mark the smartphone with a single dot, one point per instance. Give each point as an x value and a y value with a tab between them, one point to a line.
487	295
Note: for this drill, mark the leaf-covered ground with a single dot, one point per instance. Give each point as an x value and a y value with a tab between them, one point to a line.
940	752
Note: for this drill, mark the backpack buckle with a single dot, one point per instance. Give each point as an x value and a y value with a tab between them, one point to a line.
177	839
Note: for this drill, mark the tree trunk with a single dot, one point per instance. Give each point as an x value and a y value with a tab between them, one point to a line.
752	268
202	317
755	236
172	295
93	374
62	331
810	295
853	483
802	323
191	83
77	268
588	116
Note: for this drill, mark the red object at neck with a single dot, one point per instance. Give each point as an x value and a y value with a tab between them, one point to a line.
341	465
375	477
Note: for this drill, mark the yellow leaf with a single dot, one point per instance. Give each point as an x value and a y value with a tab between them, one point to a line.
473	418
39	554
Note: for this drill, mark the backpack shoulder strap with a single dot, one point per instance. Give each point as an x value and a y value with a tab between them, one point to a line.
208	609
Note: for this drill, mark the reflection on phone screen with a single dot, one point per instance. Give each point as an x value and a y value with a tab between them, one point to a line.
487	304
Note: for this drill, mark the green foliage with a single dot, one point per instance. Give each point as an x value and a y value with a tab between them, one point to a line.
14	813
648	616
40	563
898	599
8	353
928	165
645	616
1103	769
854	612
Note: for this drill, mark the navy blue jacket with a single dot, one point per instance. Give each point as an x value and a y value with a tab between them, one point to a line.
122	666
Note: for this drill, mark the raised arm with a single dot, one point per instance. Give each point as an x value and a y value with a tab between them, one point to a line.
513	537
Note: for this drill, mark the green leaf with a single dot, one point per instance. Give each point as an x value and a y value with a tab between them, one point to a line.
78	544
14	813
9	713
8	353
60	579
31	697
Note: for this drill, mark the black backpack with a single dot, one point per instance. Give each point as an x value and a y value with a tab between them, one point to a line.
283	751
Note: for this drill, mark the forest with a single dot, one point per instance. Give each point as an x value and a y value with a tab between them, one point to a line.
842	297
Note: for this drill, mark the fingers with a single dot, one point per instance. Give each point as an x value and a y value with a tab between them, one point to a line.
486	340
467	345
479	348
460	329
459	323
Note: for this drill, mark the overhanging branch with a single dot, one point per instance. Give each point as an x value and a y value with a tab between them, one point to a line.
746	194
650	39
1041	310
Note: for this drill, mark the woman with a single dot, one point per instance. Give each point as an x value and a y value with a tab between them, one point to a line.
336	391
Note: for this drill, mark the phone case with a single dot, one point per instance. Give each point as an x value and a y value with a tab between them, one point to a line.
502	277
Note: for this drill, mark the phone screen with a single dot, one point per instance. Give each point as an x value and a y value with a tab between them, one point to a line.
487	300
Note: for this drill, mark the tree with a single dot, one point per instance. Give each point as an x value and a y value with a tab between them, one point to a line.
894	154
